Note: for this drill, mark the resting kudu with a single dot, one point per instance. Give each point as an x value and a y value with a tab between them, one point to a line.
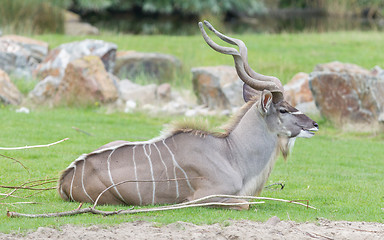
187	164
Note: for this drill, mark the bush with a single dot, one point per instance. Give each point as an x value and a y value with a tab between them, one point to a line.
31	17
190	7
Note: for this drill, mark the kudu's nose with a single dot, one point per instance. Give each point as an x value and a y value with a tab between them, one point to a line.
315	124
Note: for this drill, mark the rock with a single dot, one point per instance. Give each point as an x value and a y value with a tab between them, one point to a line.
129	91
85	82
297	90
339	67
23	110
377	72
131	64
163	92
130	106
218	87
45	91
348	99
20	55
80	29
74	26
309	108
9	94
273	221
57	60
38	49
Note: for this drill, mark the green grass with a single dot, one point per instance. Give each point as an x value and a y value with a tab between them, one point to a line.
340	174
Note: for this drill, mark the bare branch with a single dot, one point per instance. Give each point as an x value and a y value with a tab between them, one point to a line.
15	203
3	194
36	146
17	162
82	131
29	186
195	203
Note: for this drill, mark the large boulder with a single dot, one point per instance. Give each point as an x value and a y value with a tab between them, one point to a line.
299	95
45	91
297	90
144	94
339	67
218	87
140	94
20	55
161	67
58	59
350	99
86	81
9	94
38	49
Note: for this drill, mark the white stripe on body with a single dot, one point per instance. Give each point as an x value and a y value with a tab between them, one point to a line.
165	166
176	165
73	177
82	182
151	169
135	169
110	175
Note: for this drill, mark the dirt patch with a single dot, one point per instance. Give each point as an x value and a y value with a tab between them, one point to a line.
244	229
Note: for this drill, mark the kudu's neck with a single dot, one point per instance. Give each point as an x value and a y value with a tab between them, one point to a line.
253	145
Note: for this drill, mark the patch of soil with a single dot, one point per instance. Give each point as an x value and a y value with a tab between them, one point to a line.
244	229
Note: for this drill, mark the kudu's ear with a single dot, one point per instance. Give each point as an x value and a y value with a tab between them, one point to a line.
266	101
249	92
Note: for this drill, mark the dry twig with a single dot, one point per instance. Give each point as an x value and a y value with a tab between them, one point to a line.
82	131
204	201
190	204
17	162
29	186
36	146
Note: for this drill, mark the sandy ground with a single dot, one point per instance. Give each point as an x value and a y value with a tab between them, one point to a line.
244	229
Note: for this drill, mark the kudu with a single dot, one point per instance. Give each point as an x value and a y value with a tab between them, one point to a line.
187	164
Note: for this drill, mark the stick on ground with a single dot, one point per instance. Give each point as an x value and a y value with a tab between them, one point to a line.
195	203
35	146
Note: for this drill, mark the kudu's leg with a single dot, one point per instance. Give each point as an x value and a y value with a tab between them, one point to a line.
226	183
208	192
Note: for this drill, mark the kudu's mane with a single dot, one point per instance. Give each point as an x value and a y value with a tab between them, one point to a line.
202	128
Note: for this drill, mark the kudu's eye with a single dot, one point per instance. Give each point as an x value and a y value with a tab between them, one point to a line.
283	110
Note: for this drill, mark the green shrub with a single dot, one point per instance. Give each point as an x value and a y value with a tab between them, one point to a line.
31	17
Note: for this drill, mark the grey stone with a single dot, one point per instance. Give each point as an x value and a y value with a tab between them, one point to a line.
58	59
86	81
38	49
129	91
45	90
349	100
273	221
80	29
20	55
9	94
164	92
339	67
160	67
218	87
74	26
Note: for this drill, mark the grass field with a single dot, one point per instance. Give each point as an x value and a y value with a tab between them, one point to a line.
339	173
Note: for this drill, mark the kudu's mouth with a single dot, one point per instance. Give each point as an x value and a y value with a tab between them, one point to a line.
307	133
